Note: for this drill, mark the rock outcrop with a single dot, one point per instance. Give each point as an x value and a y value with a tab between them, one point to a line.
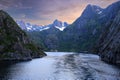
14	43
109	42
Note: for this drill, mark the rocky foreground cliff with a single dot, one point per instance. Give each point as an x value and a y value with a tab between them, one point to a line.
14	43
109	42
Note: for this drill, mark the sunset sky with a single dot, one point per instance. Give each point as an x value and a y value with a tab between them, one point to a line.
43	12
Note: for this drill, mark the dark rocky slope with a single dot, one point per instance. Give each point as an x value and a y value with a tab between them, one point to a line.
109	42
14	43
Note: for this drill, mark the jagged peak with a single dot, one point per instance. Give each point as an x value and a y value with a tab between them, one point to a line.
56	20
93	6
89	5
91	9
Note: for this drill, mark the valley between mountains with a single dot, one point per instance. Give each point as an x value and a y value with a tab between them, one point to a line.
87	49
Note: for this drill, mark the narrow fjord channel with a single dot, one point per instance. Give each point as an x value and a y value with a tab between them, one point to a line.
61	66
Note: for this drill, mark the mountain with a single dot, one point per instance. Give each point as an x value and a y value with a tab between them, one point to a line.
82	35
109	42
91	12
84	32
14	43
45	36
59	25
68	40
29	27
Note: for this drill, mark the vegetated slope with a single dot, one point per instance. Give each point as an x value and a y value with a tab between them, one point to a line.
14	43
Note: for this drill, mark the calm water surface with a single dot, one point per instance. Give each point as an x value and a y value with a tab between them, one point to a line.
61	66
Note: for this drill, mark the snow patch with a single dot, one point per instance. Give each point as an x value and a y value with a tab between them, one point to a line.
44	28
60	28
99	12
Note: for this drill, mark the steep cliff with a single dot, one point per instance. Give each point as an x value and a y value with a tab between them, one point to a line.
14	43
109	42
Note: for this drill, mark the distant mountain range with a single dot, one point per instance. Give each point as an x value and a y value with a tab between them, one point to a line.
30	27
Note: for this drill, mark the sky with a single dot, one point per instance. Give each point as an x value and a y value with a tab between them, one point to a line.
43	12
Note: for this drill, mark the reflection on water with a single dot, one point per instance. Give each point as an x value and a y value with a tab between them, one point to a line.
59	66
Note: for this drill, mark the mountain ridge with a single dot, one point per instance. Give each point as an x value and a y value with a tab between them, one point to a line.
30	27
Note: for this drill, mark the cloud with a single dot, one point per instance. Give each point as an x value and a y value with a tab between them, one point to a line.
45	11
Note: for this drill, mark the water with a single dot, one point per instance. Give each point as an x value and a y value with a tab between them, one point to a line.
61	66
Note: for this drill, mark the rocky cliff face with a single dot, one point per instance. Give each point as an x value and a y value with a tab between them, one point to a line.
109	43
14	43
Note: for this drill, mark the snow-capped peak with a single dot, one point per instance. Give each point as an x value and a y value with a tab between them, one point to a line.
30	27
60	25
